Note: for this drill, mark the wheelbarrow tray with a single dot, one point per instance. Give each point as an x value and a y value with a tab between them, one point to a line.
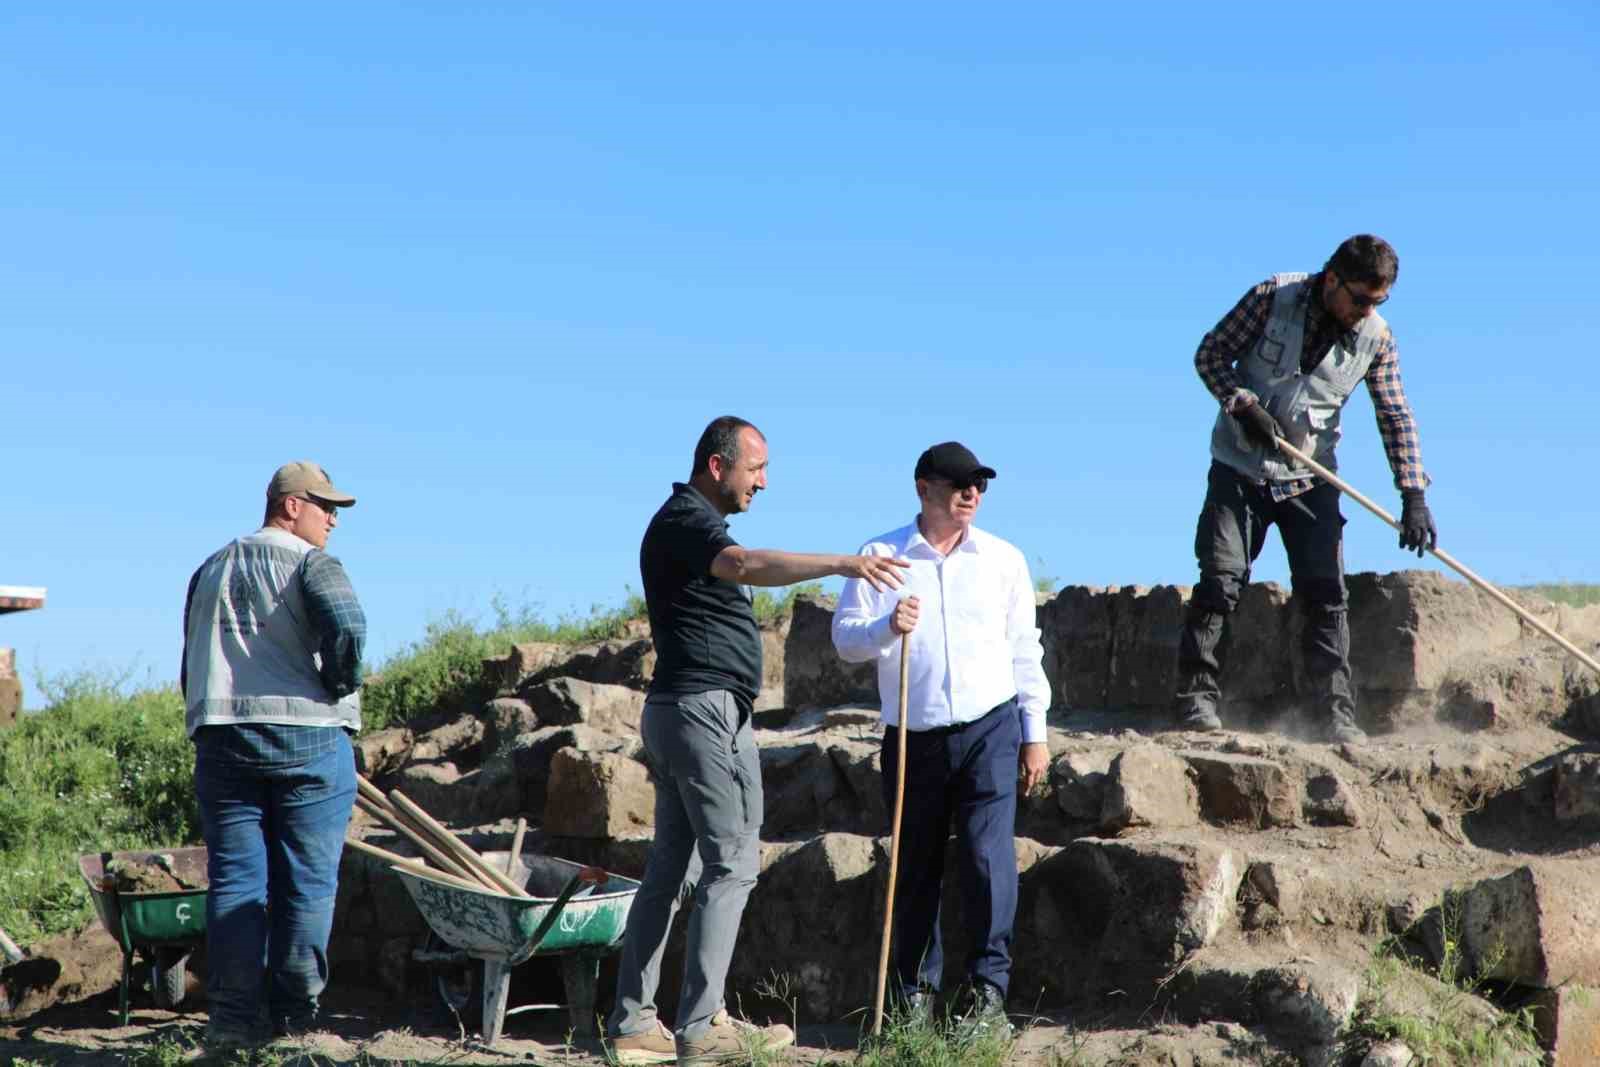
494	926
149	920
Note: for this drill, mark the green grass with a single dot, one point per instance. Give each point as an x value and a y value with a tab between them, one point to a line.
97	769
1571	593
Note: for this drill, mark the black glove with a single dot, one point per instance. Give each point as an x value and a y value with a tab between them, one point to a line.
1259	426
1416	522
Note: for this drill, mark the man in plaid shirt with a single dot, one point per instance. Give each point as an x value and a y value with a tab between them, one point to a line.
1282	364
271	678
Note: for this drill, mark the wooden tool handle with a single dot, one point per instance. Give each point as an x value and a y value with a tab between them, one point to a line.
1522	613
445	861
894	835
457	847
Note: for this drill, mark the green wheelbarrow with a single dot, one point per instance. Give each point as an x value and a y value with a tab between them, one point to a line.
160	927
578	926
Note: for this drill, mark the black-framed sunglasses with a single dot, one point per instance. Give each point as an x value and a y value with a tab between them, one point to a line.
1362	302
328	509
961	485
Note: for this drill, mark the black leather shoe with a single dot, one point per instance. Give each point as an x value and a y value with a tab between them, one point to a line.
987	1015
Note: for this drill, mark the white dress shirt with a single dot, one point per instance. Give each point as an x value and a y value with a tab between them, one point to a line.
977	640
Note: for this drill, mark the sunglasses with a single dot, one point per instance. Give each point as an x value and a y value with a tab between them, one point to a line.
330	510
961	485
1362	302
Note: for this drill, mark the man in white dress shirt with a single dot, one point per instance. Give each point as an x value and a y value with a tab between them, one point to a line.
976	714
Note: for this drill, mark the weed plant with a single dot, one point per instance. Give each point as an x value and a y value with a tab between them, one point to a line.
930	1041
1456	1027
98	769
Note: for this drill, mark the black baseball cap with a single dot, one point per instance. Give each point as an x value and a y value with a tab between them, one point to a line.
953	462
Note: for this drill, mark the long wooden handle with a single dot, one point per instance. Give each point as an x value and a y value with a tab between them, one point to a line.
1522	613
446	862
457	847
894	835
516	846
412	865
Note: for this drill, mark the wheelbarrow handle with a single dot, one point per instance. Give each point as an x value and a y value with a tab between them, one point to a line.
555	911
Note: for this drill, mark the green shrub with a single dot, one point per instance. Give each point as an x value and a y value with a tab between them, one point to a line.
96	770
444	671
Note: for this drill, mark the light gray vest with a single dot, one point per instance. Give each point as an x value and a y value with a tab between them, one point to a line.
252	654
1306	406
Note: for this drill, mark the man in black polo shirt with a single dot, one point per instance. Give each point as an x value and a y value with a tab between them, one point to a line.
700	746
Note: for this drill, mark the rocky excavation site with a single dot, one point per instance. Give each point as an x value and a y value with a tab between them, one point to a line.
1246	897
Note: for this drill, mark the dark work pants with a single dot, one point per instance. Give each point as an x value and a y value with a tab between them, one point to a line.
967	773
1231	532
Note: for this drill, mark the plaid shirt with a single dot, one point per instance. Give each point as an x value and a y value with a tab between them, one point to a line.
1232	338
338	620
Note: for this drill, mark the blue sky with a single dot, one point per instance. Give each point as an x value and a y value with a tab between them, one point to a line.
495	265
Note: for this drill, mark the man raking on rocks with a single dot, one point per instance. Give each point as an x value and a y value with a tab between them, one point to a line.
1283	363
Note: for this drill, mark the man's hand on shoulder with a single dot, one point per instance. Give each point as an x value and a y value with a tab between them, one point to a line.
880	572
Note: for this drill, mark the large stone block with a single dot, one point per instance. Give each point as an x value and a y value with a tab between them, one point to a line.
508	672
1149	786
532	753
1079	779
564	701
598	794
1102	914
814	916
1244	789
813	673
1568	1023
1075	629
383	751
623	662
1146	622
1535	926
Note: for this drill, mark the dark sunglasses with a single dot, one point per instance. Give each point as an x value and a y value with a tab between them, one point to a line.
961	485
1362	301
330	510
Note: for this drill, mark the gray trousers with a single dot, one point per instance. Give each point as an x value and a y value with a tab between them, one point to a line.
707	774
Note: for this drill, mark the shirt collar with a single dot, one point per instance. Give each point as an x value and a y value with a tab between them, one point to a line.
695	496
969	543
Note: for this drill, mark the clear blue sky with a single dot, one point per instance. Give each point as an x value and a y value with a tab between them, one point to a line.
495	265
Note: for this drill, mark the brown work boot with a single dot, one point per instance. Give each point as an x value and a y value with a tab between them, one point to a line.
653	1045
729	1040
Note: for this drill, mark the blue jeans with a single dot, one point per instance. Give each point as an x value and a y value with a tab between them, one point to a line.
966	774
274	827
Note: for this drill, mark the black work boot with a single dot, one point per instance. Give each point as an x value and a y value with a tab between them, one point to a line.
1342	729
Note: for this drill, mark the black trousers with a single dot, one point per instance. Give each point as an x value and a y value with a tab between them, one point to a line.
967	774
1230	535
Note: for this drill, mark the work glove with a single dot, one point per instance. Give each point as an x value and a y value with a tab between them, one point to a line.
1416	522
1259	426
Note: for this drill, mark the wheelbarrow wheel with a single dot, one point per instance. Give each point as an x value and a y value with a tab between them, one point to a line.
169	977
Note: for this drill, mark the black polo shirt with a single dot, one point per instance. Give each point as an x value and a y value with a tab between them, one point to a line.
704	629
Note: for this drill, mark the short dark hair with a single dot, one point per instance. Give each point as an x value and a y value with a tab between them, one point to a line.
720	438
1366	260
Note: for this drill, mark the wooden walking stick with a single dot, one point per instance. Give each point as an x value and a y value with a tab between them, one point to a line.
1522	613
894	835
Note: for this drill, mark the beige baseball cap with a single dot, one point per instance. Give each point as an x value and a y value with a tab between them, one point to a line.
304	476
